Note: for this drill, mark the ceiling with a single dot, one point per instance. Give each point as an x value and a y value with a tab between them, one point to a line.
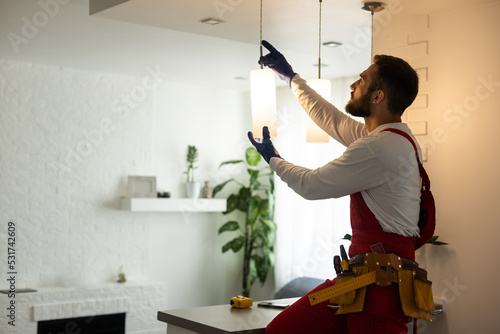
168	36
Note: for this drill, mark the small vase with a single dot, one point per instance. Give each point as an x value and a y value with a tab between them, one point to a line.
193	189
206	191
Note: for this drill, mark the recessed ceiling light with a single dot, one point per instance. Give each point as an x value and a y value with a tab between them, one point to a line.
211	21
332	44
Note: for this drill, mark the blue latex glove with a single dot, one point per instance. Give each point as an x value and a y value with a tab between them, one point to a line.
277	62
266	148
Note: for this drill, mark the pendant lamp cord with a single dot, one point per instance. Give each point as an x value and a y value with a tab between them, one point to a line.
261	51
371	52
319	48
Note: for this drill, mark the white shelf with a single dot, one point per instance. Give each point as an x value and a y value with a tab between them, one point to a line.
173	204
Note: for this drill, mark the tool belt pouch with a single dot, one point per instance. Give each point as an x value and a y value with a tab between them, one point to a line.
352	301
415	292
386	267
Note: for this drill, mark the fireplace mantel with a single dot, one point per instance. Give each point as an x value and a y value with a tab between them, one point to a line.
140	301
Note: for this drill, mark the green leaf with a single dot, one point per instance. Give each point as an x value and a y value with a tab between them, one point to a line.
227	246
271	180
219	187
262	264
433	241
270	204
439	243
230	162
235	245
347	237
254	173
269	225
255	185
264	207
253	209
244	199
232	203
192	154
252	156
229	226
259	234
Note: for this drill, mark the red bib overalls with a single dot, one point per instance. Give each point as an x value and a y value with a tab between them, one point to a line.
382	312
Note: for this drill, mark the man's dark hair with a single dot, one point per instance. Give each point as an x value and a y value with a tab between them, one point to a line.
398	80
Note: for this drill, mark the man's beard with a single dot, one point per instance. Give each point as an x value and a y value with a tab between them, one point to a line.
360	107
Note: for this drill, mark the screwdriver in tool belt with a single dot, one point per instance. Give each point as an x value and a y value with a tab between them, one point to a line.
336	264
345	260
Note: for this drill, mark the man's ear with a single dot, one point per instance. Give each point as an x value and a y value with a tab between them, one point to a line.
379	96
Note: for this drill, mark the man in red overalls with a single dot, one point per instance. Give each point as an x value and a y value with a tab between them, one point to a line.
378	170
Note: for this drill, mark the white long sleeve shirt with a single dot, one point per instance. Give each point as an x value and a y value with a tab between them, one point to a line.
380	165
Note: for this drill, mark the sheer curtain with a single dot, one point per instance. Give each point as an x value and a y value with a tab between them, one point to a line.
309	232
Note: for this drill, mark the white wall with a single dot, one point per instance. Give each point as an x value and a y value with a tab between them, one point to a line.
459	50
67	146
68	140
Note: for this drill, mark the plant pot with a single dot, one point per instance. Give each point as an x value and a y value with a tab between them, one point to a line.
193	189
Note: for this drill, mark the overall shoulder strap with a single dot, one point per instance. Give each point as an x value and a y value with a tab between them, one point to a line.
407	136
427	219
426	183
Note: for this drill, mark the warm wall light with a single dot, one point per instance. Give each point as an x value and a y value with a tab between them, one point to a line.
263	96
314	134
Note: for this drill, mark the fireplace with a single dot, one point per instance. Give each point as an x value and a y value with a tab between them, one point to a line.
99	324
137	302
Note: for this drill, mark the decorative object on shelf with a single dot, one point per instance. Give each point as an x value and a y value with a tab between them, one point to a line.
206	191
121	276
192	188
141	186
256	229
163	194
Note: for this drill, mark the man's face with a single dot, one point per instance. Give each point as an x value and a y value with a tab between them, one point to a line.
359	104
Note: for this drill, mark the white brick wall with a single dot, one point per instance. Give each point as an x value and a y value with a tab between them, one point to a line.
67	217
68	140
408	39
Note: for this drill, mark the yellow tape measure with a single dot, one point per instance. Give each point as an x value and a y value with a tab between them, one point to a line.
342	288
241	302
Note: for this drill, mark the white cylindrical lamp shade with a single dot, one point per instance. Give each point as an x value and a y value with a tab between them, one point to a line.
263	99
314	134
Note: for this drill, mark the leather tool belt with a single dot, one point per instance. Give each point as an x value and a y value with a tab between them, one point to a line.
415	290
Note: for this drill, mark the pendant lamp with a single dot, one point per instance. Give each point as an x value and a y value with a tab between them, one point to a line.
314	134
263	96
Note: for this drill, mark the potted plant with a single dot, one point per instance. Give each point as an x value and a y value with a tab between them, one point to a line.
256	230
192	187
